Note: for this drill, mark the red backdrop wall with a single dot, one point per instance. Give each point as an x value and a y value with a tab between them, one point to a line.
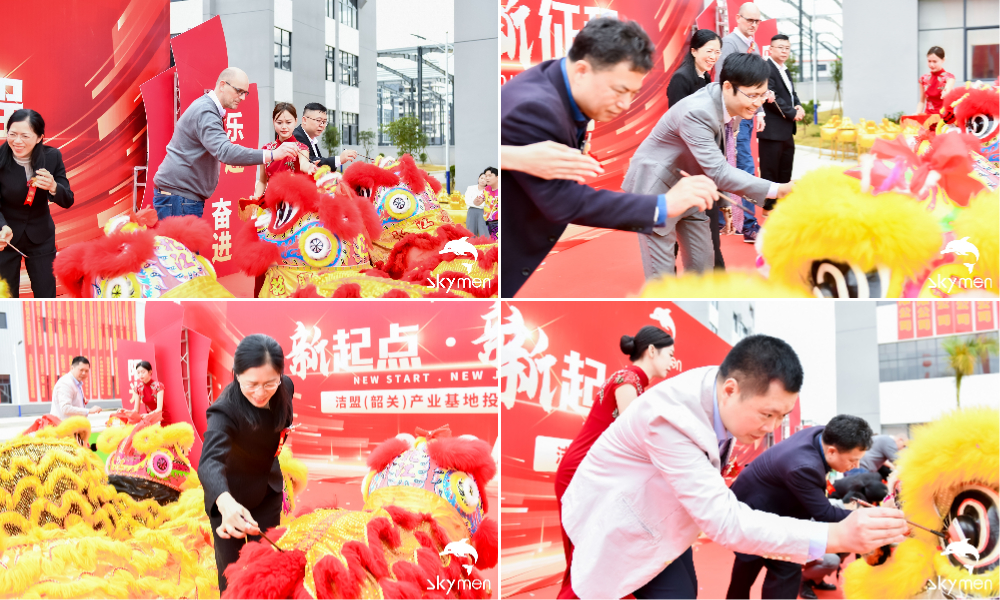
555	356
532	31
79	64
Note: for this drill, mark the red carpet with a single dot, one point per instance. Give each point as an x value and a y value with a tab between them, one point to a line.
602	263
714	565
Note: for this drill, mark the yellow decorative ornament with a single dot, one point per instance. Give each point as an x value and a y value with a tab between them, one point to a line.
731	284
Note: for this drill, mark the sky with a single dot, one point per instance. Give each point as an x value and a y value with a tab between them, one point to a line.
398	19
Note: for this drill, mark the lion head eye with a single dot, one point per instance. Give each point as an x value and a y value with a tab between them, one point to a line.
981	125
831	279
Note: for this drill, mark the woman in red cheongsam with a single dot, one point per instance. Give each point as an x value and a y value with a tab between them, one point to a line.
652	353
147	393
934	85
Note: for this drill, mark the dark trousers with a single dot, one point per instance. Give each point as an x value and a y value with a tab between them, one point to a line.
38	263
172	205
713	222
776	157
782	580
678	580
267	514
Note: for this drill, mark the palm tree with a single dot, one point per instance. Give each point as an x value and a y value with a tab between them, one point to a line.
963	354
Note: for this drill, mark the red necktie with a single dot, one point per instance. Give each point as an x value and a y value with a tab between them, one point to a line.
753	47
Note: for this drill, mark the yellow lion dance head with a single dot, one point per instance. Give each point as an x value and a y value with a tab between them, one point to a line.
948	479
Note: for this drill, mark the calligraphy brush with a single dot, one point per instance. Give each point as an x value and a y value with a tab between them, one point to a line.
927	529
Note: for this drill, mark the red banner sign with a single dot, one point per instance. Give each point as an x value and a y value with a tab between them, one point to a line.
944	317
923	318
985	315
963	316
904	320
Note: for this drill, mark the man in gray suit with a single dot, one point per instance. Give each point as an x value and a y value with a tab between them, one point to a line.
687	140
741	41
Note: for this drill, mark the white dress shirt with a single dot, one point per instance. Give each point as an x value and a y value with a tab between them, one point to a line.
772	192
67	398
784	74
315	146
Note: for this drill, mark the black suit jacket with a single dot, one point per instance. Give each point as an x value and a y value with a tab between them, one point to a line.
789	480
684	82
238	458
779	123
535	107
314	153
33	221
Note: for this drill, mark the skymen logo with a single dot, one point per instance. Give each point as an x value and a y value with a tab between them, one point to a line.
948	277
459	549
963	247
459	247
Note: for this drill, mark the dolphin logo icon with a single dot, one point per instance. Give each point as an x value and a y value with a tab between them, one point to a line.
961	548
962	247
662	315
461	548
461	247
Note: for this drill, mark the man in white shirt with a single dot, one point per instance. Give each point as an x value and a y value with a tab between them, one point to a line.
67	395
776	143
652	483
314	122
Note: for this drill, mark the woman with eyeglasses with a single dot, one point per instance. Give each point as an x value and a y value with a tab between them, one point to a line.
239	467
31	175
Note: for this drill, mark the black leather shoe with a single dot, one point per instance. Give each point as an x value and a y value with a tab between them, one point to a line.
822	585
806	591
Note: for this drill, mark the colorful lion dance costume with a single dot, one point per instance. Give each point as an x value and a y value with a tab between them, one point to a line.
376	231
423	524
948	481
135	260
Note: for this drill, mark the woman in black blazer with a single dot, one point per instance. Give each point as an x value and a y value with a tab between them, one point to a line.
239	467
31	175
694	72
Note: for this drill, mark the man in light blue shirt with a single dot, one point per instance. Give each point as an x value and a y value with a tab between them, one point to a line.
67	394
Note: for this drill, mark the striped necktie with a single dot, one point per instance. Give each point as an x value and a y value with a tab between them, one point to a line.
753	47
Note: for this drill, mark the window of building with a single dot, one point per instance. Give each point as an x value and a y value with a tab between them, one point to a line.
349	129
969	33
348	69
329	9
5	391
330	69
282	49
3	320
349	13
926	359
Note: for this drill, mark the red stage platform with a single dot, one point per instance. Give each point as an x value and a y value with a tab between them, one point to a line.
603	263
714	565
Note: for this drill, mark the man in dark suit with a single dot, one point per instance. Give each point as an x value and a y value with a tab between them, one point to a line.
555	101
789	479
314	122
776	145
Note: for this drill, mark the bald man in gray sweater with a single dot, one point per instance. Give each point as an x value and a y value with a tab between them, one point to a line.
190	172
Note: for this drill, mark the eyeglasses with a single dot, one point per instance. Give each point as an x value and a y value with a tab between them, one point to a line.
751	21
753	97
322	122
242	93
269	386
27	137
